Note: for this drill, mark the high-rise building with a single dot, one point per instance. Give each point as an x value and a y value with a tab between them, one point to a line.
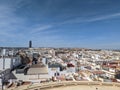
30	44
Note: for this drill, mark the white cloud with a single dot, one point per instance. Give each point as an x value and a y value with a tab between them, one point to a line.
39	28
103	17
9	22
90	19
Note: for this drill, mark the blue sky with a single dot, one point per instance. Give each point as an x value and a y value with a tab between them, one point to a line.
60	23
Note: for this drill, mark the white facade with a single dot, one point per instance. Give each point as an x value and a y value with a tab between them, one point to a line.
75	55
4	52
52	71
112	70
71	70
44	60
6	62
0	82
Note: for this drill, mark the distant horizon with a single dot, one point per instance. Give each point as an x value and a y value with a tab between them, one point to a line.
60	23
64	47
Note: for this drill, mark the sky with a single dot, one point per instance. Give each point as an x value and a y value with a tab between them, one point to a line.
60	23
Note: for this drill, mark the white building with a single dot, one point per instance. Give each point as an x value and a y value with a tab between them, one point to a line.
9	63
5	63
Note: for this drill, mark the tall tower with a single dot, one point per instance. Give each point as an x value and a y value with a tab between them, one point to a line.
30	44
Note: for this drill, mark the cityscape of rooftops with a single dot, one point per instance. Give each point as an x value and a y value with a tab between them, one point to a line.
59	44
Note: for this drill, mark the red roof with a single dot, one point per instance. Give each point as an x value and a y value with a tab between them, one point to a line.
110	66
98	72
70	65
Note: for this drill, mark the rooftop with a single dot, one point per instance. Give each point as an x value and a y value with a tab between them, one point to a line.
37	69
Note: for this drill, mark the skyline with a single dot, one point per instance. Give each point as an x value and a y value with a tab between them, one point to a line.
60	23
